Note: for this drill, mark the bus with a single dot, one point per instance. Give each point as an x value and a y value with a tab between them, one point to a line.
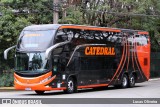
70	57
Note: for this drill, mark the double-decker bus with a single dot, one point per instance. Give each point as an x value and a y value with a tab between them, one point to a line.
70	57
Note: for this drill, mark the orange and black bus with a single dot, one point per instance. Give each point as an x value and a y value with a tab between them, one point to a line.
70	57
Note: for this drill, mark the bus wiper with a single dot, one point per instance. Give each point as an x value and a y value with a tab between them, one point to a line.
79	46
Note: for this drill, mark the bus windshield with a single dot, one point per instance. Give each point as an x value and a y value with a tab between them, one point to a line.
30	62
36	40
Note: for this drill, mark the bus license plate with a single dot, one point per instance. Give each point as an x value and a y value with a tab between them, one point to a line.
27	89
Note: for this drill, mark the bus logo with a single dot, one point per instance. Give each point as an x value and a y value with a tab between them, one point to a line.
99	51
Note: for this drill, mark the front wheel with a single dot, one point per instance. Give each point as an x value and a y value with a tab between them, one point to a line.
39	92
71	86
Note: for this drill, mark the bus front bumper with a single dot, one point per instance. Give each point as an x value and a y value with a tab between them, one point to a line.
36	83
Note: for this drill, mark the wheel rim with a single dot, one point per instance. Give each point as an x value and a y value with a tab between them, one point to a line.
132	80
70	85
124	81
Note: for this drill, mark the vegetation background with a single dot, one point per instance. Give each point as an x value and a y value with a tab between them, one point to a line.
130	14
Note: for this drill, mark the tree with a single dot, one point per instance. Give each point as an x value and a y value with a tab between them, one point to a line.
17	14
74	16
10	27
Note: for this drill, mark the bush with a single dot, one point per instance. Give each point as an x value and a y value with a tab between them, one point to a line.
6	79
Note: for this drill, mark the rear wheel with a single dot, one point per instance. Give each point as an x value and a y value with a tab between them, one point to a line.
71	86
132	80
124	83
39	92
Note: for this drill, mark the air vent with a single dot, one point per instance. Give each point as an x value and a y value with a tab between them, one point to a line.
145	61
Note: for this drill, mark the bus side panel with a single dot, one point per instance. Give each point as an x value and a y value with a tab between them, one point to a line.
136	59
99	69
143	55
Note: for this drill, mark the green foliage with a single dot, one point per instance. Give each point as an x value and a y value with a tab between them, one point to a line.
17	14
6	80
73	17
10	27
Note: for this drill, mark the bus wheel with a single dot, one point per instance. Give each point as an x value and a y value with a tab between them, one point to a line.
70	86
124	83
132	81
39	92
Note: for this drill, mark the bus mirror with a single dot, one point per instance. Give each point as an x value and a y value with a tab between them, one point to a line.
48	51
7	50
62	38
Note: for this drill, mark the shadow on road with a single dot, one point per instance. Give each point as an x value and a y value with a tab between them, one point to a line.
81	91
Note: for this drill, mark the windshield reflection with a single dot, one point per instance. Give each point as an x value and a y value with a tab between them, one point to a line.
30	62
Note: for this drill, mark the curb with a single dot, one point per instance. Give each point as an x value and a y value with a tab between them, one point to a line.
154	79
3	89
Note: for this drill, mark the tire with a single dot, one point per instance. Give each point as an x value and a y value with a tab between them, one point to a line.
71	86
132	80
39	92
124	83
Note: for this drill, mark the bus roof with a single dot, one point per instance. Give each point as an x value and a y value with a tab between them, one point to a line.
43	27
84	27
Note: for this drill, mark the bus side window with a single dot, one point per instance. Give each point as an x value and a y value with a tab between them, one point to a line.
144	40
61	36
56	53
54	63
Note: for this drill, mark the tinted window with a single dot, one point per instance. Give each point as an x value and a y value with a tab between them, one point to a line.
78	36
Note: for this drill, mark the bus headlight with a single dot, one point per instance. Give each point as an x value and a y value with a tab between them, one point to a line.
46	79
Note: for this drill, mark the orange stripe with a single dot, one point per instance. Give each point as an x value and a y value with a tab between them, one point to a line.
90	28
62	88
145	33
91	86
128	54
119	65
123	62
133	54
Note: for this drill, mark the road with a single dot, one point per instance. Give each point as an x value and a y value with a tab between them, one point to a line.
149	89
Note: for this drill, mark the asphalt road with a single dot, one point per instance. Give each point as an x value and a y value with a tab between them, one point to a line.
149	89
